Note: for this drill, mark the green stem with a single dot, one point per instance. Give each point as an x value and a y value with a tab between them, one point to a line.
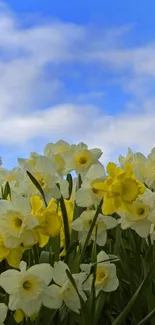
90	231
65	222
36	253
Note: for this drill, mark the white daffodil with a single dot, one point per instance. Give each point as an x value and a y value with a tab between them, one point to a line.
106	278
56	148
87	195
80	158
3	313
82	225
56	151
26	287
137	161
44	171
140	214
63	290
16	222
13	177
149	174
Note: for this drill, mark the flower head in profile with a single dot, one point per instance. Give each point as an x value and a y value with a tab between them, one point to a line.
137	161
26	287
49	222
44	170
106	277
103	223
63	290
87	195
55	152
140	214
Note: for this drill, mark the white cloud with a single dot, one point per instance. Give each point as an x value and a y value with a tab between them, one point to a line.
24	57
88	124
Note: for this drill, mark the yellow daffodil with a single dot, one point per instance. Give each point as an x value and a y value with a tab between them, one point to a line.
49	222
119	189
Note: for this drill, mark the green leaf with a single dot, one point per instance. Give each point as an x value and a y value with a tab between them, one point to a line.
37	185
117	239
94	250
147	318
7	191
54	246
90	231
65	222
121	318
36	253
71	279
70	250
84	310
44	257
70	182
100	301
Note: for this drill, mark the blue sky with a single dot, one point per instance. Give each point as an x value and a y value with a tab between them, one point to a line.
78	71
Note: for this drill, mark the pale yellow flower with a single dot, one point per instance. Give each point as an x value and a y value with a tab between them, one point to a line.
26	287
63	290
106	278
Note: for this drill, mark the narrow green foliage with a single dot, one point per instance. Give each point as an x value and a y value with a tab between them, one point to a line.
37	185
146	319
70	182
82	256
65	222
146	281
7	191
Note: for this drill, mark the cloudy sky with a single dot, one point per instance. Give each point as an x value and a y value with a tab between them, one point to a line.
79	71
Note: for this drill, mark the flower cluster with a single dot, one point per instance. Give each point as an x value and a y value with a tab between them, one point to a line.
61	237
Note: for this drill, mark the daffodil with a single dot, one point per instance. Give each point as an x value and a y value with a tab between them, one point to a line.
103	223
63	290
19	316
149	170
26	287
119	189
137	161
12	255
15	178
106	277
149	176
87	195
140	214
16	222
80	158
56	151
49	221
44	171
